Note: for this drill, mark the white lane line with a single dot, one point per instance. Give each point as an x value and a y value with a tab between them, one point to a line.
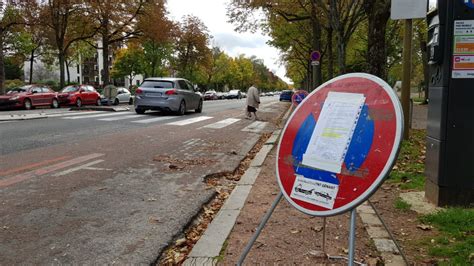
74	113
189	121
222	123
48	169
255	127
86	166
152	120
94	116
119	118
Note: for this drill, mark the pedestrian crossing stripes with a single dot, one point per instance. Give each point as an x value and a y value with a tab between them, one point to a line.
222	123
93	116
152	120
120	118
255	127
189	121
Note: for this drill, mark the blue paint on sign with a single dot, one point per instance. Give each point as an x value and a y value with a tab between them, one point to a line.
469	3
355	156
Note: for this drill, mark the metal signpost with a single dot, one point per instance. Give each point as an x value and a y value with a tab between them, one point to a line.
337	148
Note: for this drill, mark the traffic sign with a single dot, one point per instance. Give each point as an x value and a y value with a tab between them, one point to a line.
298	96
339	144
315	56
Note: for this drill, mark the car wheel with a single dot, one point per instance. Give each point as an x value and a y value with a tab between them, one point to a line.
182	108
199	109
139	111
98	102
27	104
55	104
78	102
116	102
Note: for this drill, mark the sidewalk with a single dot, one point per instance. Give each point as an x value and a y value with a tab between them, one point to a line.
291	237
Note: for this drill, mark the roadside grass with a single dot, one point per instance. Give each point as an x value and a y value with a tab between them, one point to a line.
402	205
455	243
408	172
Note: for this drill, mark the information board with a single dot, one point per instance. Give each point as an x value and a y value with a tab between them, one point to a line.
463	50
339	144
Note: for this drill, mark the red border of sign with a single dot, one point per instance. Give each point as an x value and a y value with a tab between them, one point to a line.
385	167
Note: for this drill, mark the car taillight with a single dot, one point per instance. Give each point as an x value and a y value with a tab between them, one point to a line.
139	91
171	92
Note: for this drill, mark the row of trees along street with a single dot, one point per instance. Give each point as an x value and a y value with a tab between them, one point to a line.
138	32
352	36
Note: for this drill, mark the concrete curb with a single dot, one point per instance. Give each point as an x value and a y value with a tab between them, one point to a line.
22	117
100	108
210	244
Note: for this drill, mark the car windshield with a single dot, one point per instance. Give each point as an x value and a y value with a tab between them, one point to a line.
157	84
70	89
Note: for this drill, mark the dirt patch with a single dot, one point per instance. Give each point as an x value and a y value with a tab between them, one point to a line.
290	236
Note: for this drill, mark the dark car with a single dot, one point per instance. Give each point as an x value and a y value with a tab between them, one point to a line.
29	96
234	94
79	95
286	95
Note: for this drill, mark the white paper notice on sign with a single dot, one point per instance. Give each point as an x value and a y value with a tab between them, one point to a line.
315	192
408	9
332	135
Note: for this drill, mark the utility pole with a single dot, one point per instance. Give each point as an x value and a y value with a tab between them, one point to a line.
407	38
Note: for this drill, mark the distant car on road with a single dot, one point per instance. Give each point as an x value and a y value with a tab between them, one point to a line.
286	95
210	95
29	96
167	94
79	95
234	94
123	96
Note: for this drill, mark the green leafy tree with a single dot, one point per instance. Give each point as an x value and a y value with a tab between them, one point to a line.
129	62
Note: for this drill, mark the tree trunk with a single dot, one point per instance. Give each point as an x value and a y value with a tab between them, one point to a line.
330	54
32	60
2	65
105	59
378	12
62	60
67	71
316	30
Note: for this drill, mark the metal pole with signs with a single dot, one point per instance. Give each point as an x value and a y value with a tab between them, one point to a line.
338	147
315	57
450	130
407	10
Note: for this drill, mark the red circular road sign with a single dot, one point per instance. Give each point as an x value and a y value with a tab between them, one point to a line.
315	56
298	96
339	144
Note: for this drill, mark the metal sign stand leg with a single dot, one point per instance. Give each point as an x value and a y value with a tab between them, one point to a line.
259	229
352	237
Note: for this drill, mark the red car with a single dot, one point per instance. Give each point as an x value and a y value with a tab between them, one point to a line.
29	96
79	95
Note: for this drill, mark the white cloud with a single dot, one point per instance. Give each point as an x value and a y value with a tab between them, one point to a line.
213	14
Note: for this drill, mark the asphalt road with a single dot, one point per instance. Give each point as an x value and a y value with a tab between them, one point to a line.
104	187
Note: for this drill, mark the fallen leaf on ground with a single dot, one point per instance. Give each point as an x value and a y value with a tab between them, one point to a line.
295	231
317	253
151	199
153	220
180	241
317	228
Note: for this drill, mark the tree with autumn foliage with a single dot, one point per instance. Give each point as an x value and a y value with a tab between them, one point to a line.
158	34
129	62
115	22
191	47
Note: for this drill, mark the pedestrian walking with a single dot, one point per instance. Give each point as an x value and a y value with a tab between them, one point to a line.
253	101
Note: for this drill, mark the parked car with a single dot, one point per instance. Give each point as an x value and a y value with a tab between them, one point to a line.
123	96
29	96
79	95
286	95
234	94
210	95
221	95
244	95
167	94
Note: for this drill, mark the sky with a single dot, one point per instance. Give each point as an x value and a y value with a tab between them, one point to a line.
213	14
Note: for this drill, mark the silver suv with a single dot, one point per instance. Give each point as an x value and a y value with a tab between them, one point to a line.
167	94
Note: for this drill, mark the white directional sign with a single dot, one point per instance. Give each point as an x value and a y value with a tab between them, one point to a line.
408	9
